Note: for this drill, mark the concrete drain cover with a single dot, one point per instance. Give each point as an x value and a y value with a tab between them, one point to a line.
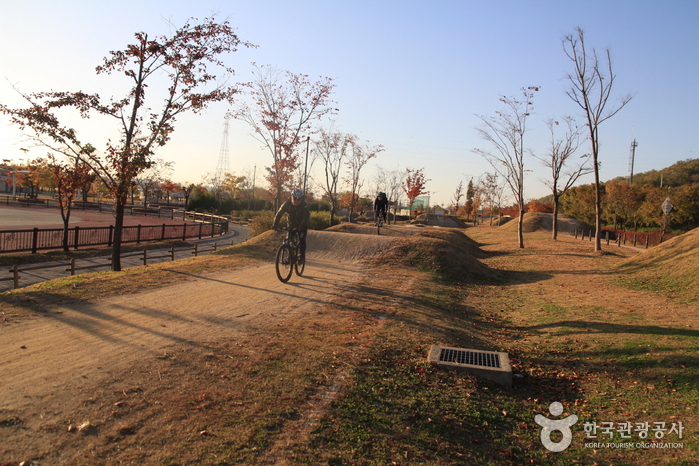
490	365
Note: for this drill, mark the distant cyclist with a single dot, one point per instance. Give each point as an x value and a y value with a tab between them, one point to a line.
299	217
381	205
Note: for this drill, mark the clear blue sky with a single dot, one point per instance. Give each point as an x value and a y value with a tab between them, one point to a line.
411	75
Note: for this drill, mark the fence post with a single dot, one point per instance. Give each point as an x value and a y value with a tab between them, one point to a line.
196	249
172	254
145	257
184	231
35	239
76	243
72	266
138	234
15	276
200	227
162	235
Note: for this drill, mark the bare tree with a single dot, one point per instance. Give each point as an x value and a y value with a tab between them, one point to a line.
391	183
332	148
506	131
560	151
493	191
281	112
358	158
591	84
150	178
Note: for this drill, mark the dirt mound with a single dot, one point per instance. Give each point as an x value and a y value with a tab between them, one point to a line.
389	230
534	221
673	262
343	247
449	254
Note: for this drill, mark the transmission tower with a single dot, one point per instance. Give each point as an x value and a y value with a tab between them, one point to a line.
634	144
223	165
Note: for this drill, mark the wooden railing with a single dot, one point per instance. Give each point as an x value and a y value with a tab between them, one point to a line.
145	257
36	239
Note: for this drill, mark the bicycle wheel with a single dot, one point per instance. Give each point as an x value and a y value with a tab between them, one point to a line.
378	227
300	263
284	264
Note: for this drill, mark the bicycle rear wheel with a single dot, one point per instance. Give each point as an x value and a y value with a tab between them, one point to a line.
284	263
378	227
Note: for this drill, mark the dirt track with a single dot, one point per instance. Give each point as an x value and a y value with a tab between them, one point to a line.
46	359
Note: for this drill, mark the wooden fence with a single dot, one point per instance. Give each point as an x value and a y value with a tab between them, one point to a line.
145	257
627	238
36	239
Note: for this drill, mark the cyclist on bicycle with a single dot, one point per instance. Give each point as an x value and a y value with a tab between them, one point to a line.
381	205
299	217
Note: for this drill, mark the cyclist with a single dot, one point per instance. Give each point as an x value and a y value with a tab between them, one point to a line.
299	217
381	205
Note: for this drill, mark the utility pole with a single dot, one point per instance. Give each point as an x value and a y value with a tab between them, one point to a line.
634	144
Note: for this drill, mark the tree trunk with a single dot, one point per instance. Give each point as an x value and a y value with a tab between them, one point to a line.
598	205
554	227
118	225
520	225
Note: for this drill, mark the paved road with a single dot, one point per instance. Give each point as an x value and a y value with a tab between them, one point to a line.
237	234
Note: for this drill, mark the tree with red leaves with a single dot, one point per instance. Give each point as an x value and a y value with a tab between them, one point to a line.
69	178
414	184
281	113
183	59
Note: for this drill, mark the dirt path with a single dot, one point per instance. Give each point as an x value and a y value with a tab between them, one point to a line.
49	362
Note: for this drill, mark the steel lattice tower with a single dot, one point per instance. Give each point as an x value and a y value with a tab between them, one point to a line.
223	165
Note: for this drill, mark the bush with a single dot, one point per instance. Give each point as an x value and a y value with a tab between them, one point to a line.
261	222
321	220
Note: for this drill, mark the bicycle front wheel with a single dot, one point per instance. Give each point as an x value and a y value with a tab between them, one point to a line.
300	264
284	263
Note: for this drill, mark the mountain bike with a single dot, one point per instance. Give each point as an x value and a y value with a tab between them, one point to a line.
289	256
379	222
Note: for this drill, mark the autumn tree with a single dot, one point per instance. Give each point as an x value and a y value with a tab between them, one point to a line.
563	174
150	178
414	185
359	156
505	132
232	184
283	107
470	193
590	86
69	178
458	195
182	59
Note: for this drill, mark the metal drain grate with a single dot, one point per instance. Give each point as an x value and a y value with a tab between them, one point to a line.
491	365
474	358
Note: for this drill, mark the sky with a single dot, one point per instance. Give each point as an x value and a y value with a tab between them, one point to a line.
413	76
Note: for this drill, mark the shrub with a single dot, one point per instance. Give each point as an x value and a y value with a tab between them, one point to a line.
261	222
321	220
